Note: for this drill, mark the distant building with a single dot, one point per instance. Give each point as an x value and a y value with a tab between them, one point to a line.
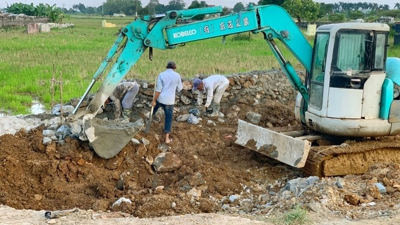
386	19
358	21
119	15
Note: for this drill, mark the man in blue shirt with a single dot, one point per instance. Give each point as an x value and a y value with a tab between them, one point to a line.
168	83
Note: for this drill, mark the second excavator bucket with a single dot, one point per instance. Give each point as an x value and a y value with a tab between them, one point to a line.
108	138
284	148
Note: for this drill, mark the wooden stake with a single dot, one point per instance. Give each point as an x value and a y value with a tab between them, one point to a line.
61	98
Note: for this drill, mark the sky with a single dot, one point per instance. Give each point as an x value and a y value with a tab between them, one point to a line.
229	3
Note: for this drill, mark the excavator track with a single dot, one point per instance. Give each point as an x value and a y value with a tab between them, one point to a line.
352	157
324	156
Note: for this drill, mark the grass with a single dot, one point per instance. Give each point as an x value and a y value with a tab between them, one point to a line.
30	61
296	216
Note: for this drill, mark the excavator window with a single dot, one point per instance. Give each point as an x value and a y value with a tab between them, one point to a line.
318	69
380	51
353	58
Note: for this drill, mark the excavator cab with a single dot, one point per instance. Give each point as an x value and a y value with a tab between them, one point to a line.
344	86
346	100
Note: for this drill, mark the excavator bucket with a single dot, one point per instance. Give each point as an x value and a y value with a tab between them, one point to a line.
284	148
108	138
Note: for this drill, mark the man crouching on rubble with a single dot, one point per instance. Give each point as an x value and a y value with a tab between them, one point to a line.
214	86
122	97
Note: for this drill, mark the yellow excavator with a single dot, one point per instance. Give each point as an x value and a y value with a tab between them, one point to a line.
351	91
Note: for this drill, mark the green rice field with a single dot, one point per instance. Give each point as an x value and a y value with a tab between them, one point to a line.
57	66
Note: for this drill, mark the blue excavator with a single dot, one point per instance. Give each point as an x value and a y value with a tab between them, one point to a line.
351	89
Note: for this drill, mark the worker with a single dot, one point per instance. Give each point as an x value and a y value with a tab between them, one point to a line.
214	86
168	83
122	97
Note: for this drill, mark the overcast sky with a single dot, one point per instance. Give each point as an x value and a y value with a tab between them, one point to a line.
229	3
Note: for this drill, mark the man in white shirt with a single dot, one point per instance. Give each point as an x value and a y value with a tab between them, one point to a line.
168	83
214	86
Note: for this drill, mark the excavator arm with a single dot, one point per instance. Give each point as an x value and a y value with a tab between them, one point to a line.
165	33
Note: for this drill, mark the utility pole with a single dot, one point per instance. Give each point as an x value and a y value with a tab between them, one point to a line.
102	9
135	9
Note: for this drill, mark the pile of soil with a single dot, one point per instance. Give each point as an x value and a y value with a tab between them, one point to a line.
215	176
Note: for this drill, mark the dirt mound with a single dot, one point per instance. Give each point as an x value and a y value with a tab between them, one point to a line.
57	177
215	175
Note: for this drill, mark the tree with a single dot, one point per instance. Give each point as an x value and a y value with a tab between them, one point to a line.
91	10
299	9
151	7
81	7
271	2
175	5
226	11
18	8
325	9
385	7
355	14
40	10
127	7
203	4
336	18
238	7
195	5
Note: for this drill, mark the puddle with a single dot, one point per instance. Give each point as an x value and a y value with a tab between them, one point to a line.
37	107
4	113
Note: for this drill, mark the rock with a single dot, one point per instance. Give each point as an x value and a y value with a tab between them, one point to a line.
48	133
113	163
120	185
63	131
299	185
315	207
185	100
47	140
56	110
135	141
100	205
145	141
120	201
182	118
167	162
193	119
381	188
352	199
339	183
194	193
232	198
38	197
